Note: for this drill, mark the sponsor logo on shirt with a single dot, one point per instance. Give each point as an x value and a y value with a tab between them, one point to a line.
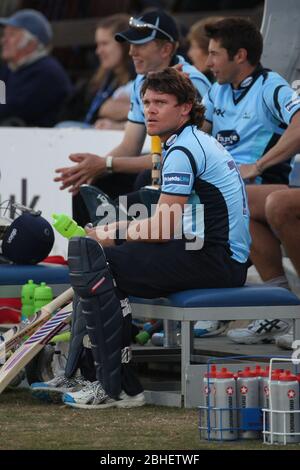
219	112
171	139
177	178
227	138
291	104
246	115
247	82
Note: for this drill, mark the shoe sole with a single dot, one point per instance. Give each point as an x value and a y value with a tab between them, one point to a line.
115	404
261	339
49	395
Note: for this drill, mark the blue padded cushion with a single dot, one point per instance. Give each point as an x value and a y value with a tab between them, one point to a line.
246	296
17	274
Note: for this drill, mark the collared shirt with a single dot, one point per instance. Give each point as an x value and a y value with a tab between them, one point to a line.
248	121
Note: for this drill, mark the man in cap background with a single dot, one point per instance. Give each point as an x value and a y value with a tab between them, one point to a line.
36	84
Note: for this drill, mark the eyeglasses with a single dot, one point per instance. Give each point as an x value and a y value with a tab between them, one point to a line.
139	24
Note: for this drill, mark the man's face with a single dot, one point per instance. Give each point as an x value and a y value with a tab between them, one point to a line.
224	69
163	113
10	42
149	57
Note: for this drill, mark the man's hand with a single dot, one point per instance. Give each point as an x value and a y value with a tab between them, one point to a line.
249	171
179	68
105	235
88	167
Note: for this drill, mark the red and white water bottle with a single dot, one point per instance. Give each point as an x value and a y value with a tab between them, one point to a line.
209	422
247	397
286	400
226	413
267	387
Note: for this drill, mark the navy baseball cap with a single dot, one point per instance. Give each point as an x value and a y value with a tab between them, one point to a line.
152	25
33	21
28	240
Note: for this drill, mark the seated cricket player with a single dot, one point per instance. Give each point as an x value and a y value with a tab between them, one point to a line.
198	237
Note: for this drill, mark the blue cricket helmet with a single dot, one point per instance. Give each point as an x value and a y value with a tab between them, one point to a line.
28	240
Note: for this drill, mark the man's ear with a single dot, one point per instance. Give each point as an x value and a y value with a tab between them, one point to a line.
167	49
186	108
241	56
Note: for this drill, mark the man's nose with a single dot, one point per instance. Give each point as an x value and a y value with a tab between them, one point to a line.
132	50
209	62
152	109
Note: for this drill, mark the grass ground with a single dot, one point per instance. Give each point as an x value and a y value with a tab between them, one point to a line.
26	423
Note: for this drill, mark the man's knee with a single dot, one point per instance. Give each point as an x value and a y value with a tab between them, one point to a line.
277	209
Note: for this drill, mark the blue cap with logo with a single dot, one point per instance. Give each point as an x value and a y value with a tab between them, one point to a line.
33	21
28	240
152	25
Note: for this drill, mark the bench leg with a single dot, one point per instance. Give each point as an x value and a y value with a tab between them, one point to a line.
296	326
186	350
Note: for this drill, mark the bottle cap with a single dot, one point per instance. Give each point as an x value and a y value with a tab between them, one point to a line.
212	374
287	376
224	373
247	372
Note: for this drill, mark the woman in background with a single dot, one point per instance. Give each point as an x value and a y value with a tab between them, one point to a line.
198	50
104	100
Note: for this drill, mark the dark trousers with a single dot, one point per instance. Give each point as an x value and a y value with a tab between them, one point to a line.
157	269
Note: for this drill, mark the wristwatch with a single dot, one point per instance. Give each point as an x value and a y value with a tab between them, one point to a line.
109	163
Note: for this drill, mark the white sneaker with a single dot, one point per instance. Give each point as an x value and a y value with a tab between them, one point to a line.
52	390
93	396
205	328
259	331
285	341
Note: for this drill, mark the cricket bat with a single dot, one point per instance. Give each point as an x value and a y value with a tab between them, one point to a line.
156	161
12	338
33	345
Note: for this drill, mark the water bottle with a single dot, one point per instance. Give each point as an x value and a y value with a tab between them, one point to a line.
157	339
42	296
226	413
209	421
248	397
268	387
27	295
67	227
149	329
286	399
260	374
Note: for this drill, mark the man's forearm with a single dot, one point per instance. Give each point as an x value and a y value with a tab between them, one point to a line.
131	164
117	110
286	147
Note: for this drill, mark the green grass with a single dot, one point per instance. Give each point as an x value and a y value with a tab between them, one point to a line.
26	423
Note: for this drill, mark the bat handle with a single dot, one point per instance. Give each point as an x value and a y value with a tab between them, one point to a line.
62	299
156	170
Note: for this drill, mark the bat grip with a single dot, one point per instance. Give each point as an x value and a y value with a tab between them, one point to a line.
62	299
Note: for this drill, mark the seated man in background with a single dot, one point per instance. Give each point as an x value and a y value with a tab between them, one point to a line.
36	84
252	112
275	221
